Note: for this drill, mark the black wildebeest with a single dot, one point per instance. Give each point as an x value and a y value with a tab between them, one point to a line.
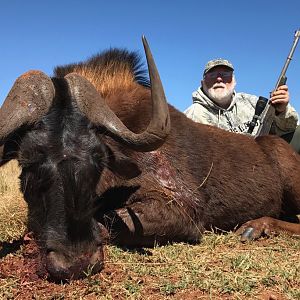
98	153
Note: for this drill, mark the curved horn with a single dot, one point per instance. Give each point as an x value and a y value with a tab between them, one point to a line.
28	100
94	107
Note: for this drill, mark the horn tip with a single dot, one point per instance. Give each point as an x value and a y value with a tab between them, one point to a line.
144	40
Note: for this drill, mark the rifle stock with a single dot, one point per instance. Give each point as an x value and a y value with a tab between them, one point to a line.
268	114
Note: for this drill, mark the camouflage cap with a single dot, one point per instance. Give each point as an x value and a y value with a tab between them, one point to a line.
217	62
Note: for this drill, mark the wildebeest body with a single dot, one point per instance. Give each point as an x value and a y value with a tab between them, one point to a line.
205	183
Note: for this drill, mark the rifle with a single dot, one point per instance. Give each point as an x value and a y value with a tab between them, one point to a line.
264	111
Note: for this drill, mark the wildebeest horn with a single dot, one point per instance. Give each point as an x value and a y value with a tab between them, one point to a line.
28	100
98	112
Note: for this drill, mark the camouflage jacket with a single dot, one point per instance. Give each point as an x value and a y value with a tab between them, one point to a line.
237	116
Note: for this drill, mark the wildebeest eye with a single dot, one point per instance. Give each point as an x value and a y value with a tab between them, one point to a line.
32	154
37	177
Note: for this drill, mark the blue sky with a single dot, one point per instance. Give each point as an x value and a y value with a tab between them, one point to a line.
256	36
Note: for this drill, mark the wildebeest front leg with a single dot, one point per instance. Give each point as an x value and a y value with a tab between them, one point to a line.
254	229
147	223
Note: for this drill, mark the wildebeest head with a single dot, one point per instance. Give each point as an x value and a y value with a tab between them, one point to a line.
56	128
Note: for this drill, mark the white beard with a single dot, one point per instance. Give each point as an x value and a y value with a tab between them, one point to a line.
222	96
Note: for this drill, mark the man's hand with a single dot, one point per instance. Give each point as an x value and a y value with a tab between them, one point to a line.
280	98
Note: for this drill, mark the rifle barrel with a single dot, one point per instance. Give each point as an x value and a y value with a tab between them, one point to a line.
289	58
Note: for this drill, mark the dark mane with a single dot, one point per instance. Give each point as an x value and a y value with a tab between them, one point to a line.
110	63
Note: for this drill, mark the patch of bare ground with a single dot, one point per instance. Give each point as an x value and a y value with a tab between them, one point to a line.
219	268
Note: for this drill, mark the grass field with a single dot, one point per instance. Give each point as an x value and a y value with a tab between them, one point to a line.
220	267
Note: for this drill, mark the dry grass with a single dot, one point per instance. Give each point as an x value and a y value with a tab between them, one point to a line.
13	209
220	267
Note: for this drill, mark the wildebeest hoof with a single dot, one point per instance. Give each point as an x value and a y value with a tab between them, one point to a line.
254	229
247	234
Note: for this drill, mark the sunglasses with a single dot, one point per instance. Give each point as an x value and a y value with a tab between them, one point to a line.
216	74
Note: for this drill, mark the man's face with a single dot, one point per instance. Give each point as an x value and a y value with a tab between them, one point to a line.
219	84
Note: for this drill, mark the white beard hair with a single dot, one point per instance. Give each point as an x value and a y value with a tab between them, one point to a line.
221	97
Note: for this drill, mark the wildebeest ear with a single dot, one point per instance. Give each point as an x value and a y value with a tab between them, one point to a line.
122	166
8	151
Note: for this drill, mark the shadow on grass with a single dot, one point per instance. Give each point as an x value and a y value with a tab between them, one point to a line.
8	248
137	250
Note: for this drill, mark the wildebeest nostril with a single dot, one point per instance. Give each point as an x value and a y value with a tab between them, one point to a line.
61	267
56	263
49	250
